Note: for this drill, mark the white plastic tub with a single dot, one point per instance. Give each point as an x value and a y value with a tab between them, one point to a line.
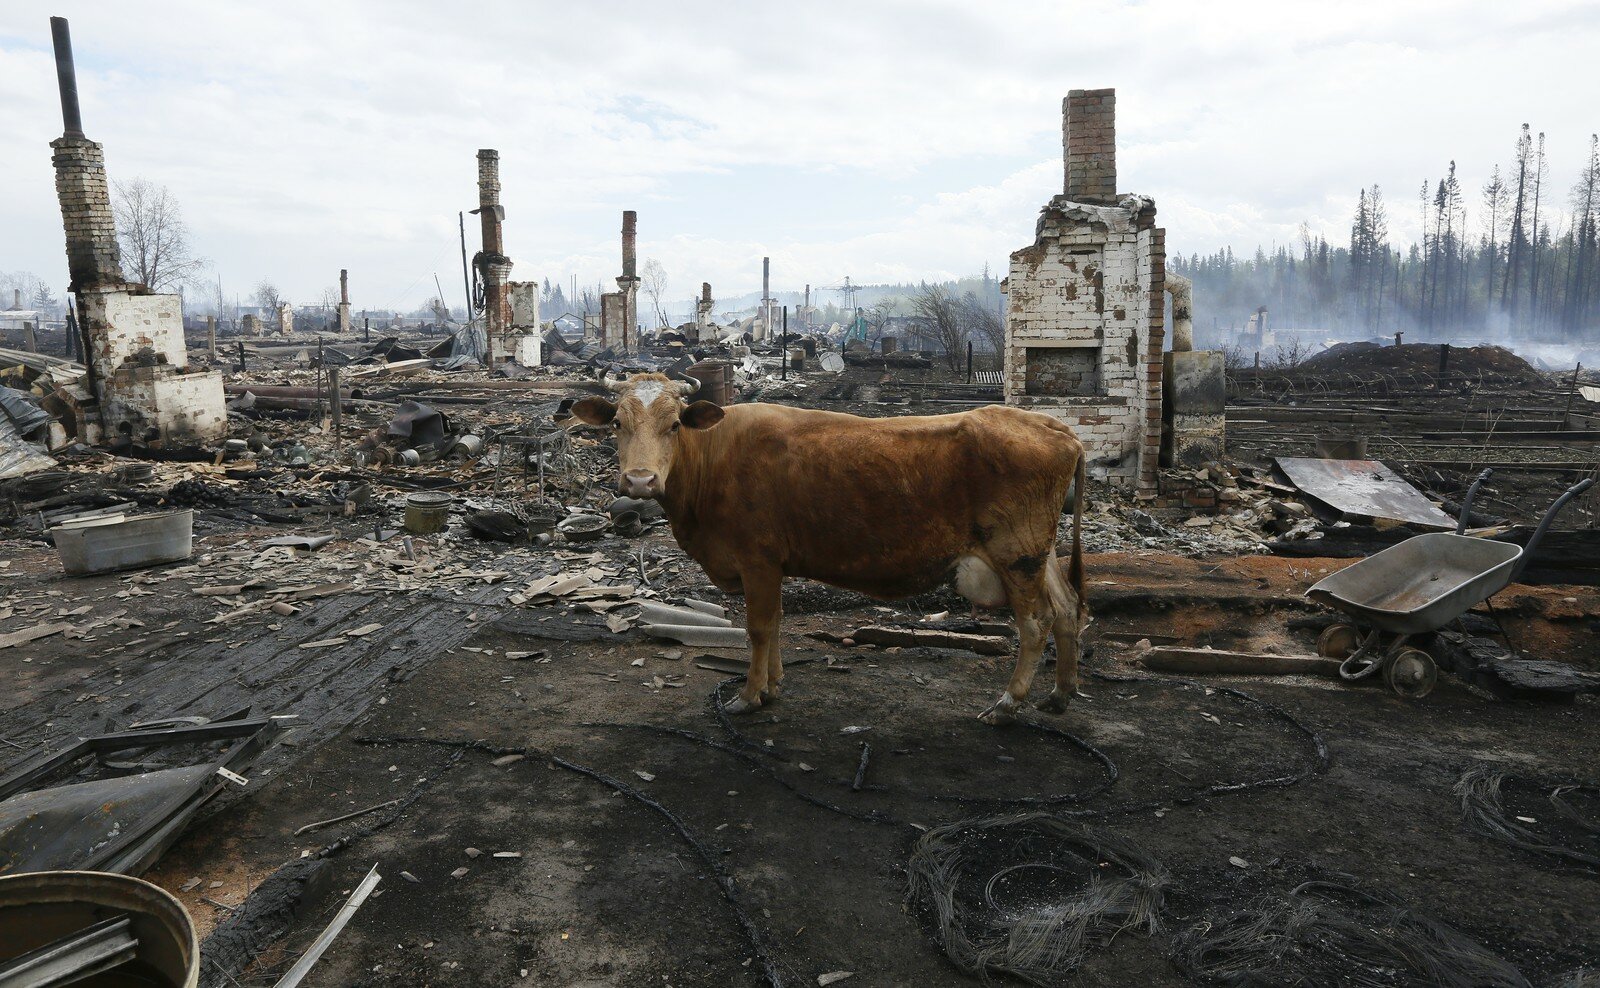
143	540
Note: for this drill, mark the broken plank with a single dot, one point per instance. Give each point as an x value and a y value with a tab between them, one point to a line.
1205	660
33	634
981	644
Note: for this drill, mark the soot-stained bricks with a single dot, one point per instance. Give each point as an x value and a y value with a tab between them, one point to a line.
1085	311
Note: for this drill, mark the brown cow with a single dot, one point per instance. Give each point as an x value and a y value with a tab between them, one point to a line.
887	507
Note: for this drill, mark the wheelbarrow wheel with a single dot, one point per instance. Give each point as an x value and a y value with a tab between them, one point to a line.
1338	640
1411	673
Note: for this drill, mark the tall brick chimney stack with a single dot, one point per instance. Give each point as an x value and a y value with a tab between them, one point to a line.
1089	139
630	231
93	259
493	262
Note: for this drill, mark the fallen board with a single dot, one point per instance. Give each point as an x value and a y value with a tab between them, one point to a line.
1363	489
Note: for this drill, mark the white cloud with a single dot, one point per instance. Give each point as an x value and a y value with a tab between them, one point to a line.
922	137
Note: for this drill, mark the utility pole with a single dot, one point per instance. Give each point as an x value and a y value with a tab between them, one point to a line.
466	282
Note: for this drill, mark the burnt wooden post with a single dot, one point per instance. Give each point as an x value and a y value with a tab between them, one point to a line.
1566	413
783	344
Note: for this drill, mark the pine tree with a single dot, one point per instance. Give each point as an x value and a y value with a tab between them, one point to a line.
1516	245
1495	195
1585	218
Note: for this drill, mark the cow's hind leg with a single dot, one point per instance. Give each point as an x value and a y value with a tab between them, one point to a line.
1033	613
763	598
1068	630
775	658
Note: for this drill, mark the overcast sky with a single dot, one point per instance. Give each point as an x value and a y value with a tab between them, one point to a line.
884	141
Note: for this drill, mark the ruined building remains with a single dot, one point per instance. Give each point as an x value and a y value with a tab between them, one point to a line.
704	330
764	327
143	387
492	264
619	310
523	343
1085	307
344	301
285	317
1086	318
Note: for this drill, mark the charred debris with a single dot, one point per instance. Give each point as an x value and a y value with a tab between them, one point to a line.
270	530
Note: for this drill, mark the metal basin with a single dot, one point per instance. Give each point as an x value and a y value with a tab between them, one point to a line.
1422	584
143	540
41	907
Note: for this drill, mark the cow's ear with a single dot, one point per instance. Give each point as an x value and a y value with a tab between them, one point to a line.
594	411
701	415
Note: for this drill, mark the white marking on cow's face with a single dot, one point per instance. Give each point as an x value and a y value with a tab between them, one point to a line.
647	392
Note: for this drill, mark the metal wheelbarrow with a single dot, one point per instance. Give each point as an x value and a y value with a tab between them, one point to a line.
1416	587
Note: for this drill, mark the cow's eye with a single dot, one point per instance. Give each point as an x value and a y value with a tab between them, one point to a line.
675	426
615	425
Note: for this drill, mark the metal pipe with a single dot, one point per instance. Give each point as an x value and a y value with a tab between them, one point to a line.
66	78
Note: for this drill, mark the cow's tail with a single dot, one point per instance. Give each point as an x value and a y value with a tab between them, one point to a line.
1075	564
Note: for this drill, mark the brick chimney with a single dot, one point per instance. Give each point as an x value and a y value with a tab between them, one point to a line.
630	254
93	259
1089	140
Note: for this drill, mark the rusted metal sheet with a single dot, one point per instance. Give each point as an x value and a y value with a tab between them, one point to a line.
1363	489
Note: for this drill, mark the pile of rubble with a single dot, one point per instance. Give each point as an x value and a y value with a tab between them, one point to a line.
1364	357
1217	509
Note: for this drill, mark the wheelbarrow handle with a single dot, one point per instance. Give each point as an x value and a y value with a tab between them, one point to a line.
1544	523
1472	492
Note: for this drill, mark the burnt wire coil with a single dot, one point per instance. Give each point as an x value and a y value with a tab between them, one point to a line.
1484	812
1028	895
1322	933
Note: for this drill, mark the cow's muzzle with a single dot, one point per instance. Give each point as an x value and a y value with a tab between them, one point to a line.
639	484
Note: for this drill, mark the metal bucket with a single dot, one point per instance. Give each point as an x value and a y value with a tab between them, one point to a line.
144	540
428	512
41	907
466	448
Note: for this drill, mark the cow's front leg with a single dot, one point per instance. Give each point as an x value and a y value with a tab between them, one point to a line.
1031	633
763	598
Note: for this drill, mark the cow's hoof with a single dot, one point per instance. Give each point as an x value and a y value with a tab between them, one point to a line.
739	705
1003	712
1055	703
771	693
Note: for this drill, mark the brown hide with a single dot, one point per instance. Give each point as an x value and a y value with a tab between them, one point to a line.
888	507
881	506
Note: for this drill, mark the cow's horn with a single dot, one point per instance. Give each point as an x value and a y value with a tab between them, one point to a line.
689	386
618	385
